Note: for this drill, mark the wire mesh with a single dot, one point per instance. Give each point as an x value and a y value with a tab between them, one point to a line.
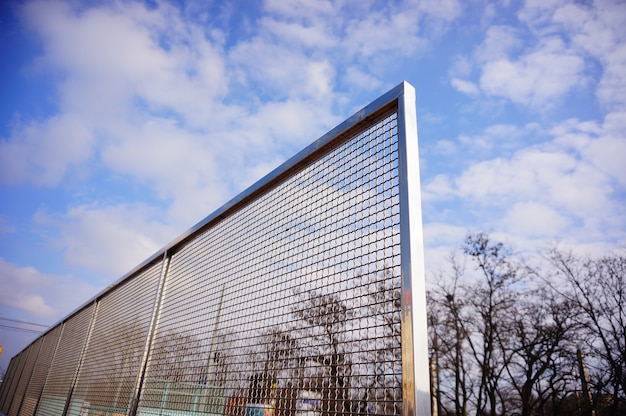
7	382
292	302
112	359
65	363
13	392
40	372
27	370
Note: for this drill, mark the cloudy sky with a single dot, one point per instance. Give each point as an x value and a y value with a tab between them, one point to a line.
124	123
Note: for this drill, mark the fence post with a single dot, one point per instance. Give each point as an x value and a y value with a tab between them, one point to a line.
158	298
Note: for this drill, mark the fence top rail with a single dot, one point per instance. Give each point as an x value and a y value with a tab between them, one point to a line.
377	109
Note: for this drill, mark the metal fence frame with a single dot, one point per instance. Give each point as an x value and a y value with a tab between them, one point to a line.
51	366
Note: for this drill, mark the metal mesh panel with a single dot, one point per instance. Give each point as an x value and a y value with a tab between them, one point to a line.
40	372
27	370
112	359
6	383
291	303
65	363
14	380
296	297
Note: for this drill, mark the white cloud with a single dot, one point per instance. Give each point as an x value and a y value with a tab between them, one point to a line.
602	146
114	74
111	239
319	35
443	234
361	79
595	29
297	40
557	49
301	9
535	174
536	79
462	67
379	33
561	188
466	87
160	154
441	240
42	152
498	136
538	12
612	87
437	189
282	71
500	42
533	219
41	295
445	10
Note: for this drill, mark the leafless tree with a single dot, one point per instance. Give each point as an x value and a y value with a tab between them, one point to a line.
448	340
127	358
178	357
597	288
500	346
505	342
324	317
381	308
279	355
541	350
492	300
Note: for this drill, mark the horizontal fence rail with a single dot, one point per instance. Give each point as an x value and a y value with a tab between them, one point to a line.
304	295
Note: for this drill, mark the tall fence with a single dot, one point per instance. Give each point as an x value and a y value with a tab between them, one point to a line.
304	295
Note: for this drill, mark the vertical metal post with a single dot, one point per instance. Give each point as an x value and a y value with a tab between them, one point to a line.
415	374
156	313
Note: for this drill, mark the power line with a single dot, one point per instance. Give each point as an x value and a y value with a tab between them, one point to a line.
24	322
17	328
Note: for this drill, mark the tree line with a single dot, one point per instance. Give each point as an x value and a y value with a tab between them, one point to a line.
509	338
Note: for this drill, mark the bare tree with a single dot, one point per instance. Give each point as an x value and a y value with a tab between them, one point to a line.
381	352
178	357
472	322
541	349
492	300
449	338
324	318
597	288
274	384
503	344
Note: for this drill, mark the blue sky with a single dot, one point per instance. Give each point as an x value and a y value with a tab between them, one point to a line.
124	123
